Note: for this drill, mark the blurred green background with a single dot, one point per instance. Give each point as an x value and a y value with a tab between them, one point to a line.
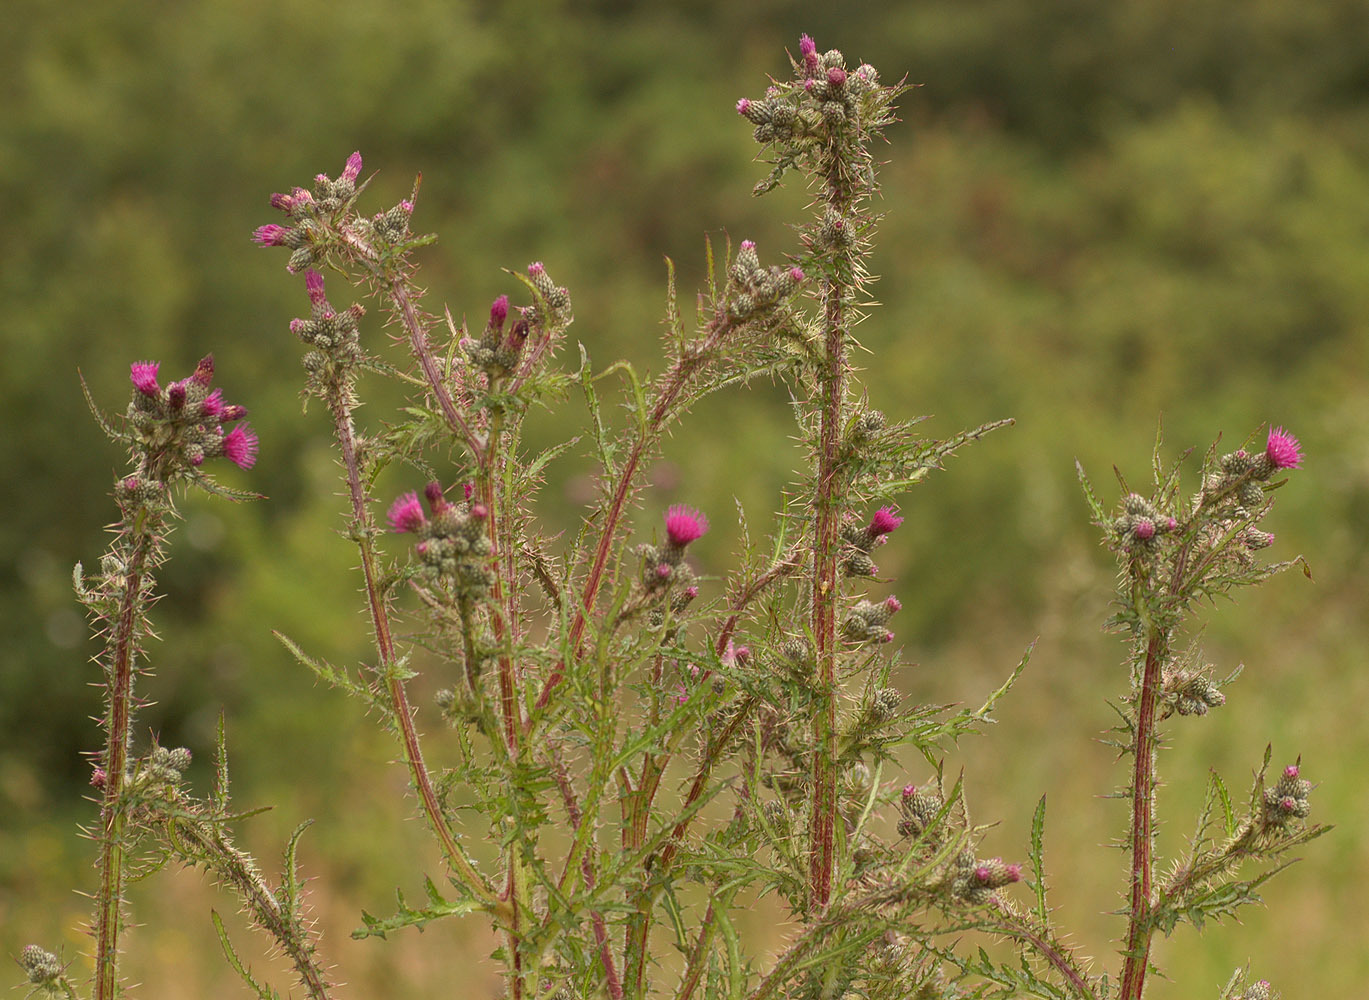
1098	215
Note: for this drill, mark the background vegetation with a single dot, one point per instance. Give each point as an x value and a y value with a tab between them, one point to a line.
1098	214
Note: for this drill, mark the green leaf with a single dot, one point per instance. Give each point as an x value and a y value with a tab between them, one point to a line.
1037	857
407	916
262	992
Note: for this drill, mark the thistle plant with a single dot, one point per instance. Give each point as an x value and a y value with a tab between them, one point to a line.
641	750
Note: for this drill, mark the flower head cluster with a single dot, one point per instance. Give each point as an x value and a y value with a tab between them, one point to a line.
1190	692
753	289
1141	526
859	540
453	544
334	336
498	350
42	967
823	95
1287	800
174	428
975	881
919	809
308	212
663	565
867	622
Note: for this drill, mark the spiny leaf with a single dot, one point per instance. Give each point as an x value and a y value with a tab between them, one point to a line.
262	992
407	916
1037	857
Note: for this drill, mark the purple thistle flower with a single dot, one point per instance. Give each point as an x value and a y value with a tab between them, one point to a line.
270	235
1291	771
684	524
204	371
535	268
836	76
143	374
796	273
437	499
748	244
884	521
807	46
353	168
893	604
230	413
1282	449
406	513
175	395
743	106
313	284
499	311
1145	529
213	404
240	446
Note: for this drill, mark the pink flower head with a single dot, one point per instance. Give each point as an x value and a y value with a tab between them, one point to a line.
743	106
893	605
807	46
1288	803
271	235
681	694
479	511
663	571
1145	529
1171	524
436	498
230	413
352	170
143	374
468	490
175	395
213	404
836	76
796	273
691	592
536	268
406	513
684	524
983	873
1282	449
282	201
884	521
810	83
1013	872
909	791
240	446
313	284
1291	771
499	311
748	244
407	207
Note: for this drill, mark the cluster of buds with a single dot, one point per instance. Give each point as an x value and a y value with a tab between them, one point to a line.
333	336
664	565
867	622
1260	990
797	656
823	93
864	429
42	967
1190	692
1236	481
1140	526
306	211
975	881
1287	800
183	424
453	544
919	809
858	542
883	706
163	766
498	350
678	602
753	289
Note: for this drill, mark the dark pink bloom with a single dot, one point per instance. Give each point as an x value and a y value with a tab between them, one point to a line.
407	207
796	273
499	311
909	791
663	571
143	374
748	244
230	413
536	268
743	106
807	46
836	76
1013	872
1171	524
1282	449
240	446
437	500
691	592
1144	529
893	604
271	235
213	404
684	524
1291	771
353	168
313	284
479	511
282	201
884	521
406	513
175	395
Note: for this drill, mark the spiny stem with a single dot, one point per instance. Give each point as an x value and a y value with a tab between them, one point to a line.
363	530
1140	930
118	725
